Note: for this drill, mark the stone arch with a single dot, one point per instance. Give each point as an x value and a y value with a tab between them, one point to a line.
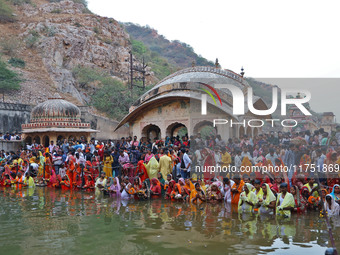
60	138
37	139
28	140
174	129
46	141
151	131
241	132
249	132
256	131
205	128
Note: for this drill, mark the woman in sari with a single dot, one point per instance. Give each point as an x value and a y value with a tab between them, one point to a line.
266	202
331	207
176	193
236	189
247	199
148	156
144	192
155	189
188	185
48	166
115	188
169	189
162	183
336	193
184	189
197	195
141	170
202	184
300	203
108	160
208	161
214	194
137	185
152	168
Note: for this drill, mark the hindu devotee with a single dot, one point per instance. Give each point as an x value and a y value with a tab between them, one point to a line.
161	170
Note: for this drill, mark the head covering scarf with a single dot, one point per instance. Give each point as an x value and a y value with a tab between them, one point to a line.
333	192
116	188
244	197
269	197
194	193
179	189
335	208
147	190
288	201
181	180
154	184
170	188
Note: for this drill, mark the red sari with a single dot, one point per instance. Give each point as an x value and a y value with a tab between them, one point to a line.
156	188
141	171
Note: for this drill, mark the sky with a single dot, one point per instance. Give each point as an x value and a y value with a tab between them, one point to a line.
270	39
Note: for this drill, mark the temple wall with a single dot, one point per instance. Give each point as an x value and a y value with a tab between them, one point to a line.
12	116
105	126
10	145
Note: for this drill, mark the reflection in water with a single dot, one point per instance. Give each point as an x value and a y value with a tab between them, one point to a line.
73	222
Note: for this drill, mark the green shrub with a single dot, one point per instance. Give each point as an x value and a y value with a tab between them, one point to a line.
17	62
96	30
9	80
56	11
10	46
77	24
32	39
107	40
84	2
19	2
110	96
6	13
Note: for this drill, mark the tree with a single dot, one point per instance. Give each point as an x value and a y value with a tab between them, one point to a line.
9	80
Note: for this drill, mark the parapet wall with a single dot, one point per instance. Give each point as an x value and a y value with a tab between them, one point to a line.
13	115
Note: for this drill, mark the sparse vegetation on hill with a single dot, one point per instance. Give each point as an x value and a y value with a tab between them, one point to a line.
109	95
159	65
9	80
6	12
177	53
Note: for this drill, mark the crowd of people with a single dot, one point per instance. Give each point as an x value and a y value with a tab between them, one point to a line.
306	175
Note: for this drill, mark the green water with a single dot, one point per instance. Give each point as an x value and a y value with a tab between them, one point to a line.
49	221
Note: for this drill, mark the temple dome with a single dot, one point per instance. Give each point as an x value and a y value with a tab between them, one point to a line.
55	108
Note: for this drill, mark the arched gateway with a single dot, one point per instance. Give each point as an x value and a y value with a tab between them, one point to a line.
175	103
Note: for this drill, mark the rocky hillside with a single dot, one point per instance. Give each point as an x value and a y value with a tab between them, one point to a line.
53	39
177	53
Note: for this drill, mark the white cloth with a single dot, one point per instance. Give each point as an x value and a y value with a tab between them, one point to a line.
227	193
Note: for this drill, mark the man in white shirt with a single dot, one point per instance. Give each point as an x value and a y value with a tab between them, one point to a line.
186	163
51	147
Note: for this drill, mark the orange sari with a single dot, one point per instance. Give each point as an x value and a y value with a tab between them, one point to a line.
236	196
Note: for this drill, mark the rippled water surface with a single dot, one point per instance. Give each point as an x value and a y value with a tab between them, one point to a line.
49	221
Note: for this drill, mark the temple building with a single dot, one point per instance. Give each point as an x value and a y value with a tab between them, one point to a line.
173	106
53	120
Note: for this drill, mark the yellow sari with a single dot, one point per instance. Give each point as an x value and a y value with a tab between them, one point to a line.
152	168
251	197
288	201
